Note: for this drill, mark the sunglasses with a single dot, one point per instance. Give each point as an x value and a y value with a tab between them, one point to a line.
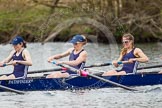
125	42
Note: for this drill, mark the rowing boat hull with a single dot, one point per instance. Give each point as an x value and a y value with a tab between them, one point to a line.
39	84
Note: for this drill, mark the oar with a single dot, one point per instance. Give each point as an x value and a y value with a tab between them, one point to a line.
102	64
7	64
11	89
148	67
46	70
105	64
84	73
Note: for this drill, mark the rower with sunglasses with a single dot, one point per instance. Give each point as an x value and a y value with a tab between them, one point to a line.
130	55
77	57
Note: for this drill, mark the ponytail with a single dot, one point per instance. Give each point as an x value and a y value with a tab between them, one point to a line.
24	44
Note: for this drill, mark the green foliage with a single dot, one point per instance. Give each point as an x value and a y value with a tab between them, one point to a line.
120	30
38	18
88	30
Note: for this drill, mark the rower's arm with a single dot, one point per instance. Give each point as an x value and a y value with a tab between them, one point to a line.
66	53
115	62
58	56
27	57
82	58
141	56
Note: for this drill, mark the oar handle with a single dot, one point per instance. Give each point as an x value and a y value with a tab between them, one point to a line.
120	62
6	64
53	62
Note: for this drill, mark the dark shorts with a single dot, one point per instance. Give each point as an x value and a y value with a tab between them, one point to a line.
127	71
20	75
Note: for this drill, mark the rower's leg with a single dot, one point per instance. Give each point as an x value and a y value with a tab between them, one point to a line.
65	75
121	73
110	73
12	76
54	75
113	72
160	72
58	75
4	77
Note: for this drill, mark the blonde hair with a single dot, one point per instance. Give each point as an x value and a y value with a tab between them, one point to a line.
128	36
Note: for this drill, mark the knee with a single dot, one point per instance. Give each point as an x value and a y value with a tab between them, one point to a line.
3	77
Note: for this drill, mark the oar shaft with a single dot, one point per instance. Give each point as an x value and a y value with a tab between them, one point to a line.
103	64
112	83
148	67
6	64
43	71
11	89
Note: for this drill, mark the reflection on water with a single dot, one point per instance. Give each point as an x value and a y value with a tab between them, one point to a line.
147	97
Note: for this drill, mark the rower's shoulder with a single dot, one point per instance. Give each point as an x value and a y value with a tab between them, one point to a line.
137	49
12	52
25	51
84	52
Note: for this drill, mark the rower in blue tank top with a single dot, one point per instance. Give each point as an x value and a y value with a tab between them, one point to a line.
130	56
129	67
74	57
20	70
19	58
77	57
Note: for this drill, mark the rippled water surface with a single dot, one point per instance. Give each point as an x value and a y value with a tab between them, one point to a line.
146	97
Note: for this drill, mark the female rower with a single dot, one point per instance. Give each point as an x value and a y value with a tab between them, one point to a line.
19	58
130	55
77	57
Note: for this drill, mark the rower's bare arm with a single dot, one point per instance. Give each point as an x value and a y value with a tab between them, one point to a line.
82	58
58	56
66	53
27	57
115	62
141	56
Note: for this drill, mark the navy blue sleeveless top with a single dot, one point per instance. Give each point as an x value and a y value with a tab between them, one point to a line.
20	70
74	57
129	67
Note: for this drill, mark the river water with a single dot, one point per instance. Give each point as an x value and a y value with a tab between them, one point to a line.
147	97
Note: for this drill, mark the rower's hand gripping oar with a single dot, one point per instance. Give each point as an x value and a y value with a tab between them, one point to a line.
6	64
84	73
